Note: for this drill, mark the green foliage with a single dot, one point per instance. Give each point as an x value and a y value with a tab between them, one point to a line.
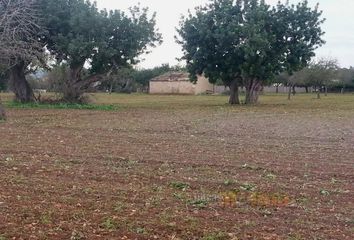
57	77
126	37
249	41
143	76
321	72
345	77
46	218
79	33
180	185
120	81
140	230
248	187
228	182
324	192
200	203
128	79
109	224
19	105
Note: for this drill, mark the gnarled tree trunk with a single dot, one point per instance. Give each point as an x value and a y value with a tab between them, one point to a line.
75	86
20	86
2	112
234	95
252	91
71	90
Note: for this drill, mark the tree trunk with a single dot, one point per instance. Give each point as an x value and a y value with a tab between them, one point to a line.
277	89
71	89
127	88
111	88
75	86
289	92
342	90
318	91
307	89
326	91
2	112
252	91
293	90
23	91
234	96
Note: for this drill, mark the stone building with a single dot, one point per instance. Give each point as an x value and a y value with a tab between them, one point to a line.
179	83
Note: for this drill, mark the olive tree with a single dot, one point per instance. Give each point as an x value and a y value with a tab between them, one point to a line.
19	28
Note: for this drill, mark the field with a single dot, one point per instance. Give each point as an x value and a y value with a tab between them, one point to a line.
179	167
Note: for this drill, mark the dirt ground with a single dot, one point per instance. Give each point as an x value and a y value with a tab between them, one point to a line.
180	167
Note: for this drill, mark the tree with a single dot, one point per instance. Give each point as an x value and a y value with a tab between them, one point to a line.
321	73
247	42
19	28
345	78
80	35
120	80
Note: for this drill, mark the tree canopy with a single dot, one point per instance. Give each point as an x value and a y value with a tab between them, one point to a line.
81	35
93	43
248	42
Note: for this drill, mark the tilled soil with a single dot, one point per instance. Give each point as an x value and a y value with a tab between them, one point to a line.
160	173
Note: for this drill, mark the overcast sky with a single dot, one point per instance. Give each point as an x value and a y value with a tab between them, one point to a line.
339	27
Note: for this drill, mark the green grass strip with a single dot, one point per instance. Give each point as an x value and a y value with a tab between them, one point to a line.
35	105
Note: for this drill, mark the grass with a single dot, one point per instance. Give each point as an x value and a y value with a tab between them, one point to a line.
267	101
216	236
46	218
112	102
180	185
109	224
17	105
200	204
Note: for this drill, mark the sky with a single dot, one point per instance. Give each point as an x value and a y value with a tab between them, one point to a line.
339	27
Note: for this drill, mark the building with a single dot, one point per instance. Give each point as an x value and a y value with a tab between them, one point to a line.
179	83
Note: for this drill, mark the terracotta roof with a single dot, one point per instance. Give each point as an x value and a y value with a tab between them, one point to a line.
172	77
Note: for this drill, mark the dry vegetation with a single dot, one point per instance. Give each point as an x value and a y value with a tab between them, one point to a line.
165	167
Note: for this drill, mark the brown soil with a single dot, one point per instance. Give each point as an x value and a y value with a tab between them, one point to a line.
159	173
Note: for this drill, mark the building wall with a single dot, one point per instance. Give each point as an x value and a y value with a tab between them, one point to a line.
181	87
203	86
173	87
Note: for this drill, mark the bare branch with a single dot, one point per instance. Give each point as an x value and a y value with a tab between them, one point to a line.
19	28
